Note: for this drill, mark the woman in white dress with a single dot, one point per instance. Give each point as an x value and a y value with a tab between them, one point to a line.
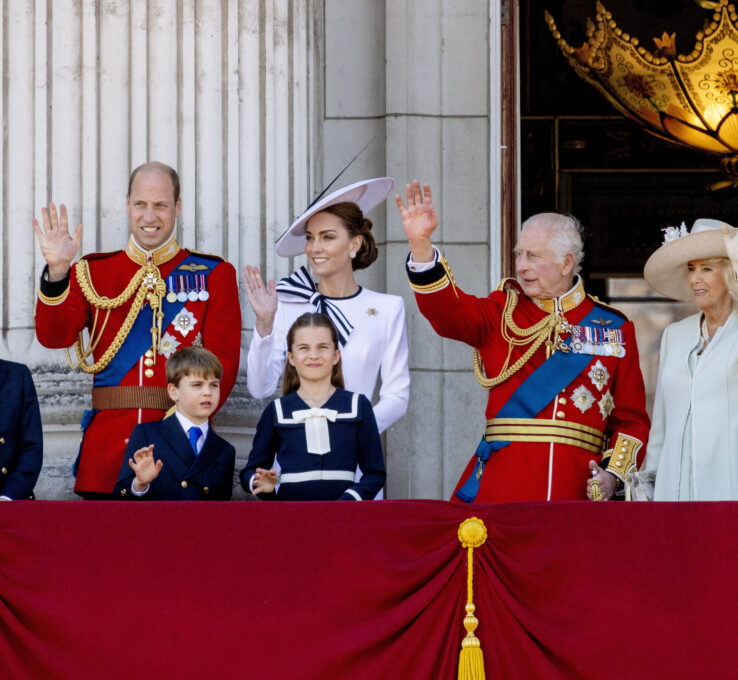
337	239
693	445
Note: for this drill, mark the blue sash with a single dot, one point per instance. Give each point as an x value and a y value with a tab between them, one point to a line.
532	395
139	338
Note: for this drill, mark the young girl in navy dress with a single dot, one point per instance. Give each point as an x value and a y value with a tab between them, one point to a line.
318	431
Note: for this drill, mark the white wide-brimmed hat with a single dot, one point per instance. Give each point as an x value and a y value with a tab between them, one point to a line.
666	269
367	194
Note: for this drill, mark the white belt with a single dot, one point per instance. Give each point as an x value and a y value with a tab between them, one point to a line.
318	475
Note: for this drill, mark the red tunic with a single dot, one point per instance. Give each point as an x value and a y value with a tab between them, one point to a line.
59	320
611	401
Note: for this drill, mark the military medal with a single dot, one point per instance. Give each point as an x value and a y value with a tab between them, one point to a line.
202	293
191	292
181	293
171	295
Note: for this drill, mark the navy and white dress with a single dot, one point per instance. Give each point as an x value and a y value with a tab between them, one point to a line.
319	449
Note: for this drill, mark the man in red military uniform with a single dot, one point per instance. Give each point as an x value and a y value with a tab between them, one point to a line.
139	305
566	402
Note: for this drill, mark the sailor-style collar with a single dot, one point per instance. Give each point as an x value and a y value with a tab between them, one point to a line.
342	405
291	411
568	301
158	256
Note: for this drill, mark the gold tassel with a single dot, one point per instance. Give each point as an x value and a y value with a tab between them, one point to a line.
472	534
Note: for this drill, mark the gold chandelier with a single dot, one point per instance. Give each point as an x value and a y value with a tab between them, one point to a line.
689	99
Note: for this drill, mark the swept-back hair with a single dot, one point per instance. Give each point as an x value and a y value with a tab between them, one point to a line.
290	379
566	235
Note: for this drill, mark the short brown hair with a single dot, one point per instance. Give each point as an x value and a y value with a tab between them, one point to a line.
290	379
156	167
193	360
356	224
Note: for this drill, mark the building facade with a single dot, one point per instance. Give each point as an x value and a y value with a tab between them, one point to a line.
258	103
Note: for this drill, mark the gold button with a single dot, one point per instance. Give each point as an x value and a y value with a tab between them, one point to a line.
184	484
5	471
205	489
122	492
621	456
149	353
624	449
619	463
148	373
148	362
626	441
2	440
562	400
560	414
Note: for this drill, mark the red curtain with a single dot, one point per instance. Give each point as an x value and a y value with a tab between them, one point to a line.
365	590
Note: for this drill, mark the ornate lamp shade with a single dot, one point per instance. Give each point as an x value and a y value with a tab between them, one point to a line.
689	99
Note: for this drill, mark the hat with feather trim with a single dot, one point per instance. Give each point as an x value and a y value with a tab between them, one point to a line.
666	269
367	194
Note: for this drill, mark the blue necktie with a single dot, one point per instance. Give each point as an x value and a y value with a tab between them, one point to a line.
194	435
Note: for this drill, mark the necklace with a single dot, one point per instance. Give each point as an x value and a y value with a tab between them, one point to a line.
704	334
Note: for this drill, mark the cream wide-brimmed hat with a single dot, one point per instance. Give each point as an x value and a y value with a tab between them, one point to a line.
367	194
666	269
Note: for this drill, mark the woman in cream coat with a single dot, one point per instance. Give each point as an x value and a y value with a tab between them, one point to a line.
693	445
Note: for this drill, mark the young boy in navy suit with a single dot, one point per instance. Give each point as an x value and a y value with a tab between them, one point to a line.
192	462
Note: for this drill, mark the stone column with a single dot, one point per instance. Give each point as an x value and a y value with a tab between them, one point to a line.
223	91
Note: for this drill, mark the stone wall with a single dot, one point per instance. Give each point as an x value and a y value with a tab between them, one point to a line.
257	104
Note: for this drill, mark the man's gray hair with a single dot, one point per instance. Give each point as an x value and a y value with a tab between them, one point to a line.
566	235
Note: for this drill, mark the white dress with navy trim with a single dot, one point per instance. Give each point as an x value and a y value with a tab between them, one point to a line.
345	432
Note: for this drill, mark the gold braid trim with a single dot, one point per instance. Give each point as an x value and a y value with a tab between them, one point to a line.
145	280
100	301
56	300
545	330
447	269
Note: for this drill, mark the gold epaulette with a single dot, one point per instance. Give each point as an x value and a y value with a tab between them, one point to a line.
210	256
623	456
56	300
506	284
599	302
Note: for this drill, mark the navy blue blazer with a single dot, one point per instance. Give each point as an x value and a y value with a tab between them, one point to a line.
21	437
184	476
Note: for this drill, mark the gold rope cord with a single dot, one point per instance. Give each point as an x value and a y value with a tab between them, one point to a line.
100	301
472	534
536	335
146	279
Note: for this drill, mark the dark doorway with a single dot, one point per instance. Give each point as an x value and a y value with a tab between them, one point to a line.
578	155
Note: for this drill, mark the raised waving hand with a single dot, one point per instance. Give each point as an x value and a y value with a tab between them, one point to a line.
57	245
263	299
418	219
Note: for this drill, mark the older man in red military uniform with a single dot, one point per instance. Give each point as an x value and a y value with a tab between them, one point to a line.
566	404
138	305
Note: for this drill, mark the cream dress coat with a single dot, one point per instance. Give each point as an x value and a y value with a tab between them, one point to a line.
693	445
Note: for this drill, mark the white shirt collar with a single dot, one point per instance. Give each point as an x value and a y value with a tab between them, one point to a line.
186	424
